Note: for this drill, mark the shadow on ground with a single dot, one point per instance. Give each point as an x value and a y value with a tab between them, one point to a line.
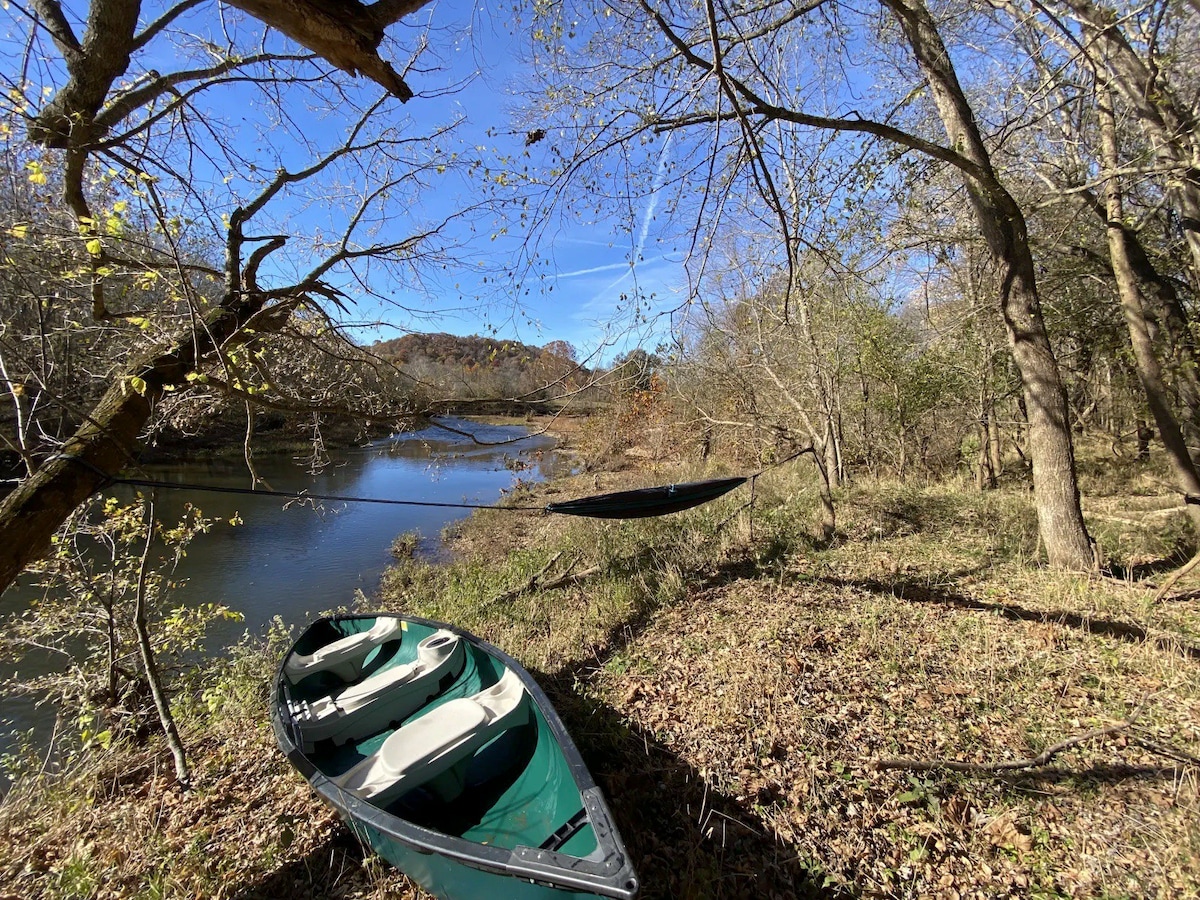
687	841
922	592
324	874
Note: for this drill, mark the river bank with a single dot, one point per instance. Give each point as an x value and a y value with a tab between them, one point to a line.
740	691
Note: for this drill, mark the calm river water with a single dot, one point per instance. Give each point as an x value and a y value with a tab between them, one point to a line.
294	562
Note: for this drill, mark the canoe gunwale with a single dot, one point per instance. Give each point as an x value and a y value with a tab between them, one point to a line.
607	872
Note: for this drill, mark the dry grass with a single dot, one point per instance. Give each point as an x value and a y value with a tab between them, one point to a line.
732	691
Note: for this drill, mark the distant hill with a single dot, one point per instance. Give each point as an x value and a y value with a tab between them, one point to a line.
481	367
468	352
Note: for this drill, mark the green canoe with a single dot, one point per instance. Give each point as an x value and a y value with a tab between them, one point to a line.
445	756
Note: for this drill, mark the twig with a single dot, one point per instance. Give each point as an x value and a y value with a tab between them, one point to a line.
1175	576
568	579
1164	750
1032	762
529	585
150	664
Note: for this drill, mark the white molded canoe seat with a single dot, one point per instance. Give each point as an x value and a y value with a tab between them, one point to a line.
422	750
387	696
345	656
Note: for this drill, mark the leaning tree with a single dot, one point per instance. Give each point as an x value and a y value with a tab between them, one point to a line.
135	119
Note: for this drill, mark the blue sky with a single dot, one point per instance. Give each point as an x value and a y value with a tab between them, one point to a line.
578	288
579	285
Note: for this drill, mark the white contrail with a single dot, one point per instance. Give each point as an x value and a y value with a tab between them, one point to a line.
660	175
607	267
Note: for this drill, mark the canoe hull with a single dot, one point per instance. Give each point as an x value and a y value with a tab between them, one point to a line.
518	847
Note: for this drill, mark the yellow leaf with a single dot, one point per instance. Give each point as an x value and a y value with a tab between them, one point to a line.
19	231
138	384
120	206
94	246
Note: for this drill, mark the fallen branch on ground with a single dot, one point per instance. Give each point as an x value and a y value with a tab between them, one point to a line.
529	585
1032	762
1175	576
568	579
535	582
1165	750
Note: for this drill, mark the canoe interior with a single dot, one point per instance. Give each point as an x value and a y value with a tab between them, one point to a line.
519	788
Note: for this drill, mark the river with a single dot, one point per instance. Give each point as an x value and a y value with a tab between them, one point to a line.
294	561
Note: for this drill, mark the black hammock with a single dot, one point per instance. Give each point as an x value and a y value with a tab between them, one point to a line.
636	504
651	501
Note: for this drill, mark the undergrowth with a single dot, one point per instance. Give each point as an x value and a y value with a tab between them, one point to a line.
734	684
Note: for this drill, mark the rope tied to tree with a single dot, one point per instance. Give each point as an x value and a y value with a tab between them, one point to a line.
637	503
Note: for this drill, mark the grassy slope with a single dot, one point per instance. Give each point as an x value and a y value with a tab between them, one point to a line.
731	691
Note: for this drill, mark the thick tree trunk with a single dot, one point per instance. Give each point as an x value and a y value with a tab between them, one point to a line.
104	444
1166	318
1162	304
1132	306
1056	490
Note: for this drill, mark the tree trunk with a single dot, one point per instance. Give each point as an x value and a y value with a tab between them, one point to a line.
995	445
995	448
830	449
104	444
1162	303
828	523
985	473
1056	490
150	665
110	616
1129	294
1167	123
1145	434
1165	316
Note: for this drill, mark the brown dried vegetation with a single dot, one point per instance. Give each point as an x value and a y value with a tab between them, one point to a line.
733	692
